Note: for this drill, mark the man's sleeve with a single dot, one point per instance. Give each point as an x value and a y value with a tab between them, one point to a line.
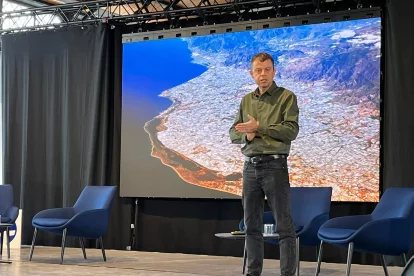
235	136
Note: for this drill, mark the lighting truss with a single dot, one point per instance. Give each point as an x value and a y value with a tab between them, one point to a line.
148	11
107	11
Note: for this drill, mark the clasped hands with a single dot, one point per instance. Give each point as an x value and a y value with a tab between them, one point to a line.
250	128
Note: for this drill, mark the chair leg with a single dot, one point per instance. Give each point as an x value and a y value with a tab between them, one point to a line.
1	242
384	265
83	247
8	242
244	258
318	266
349	261
33	244
103	248
404	259
62	253
297	256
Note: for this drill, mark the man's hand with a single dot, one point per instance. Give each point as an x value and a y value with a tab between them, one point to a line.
248	127
251	135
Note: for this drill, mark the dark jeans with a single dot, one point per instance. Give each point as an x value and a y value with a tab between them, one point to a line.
269	178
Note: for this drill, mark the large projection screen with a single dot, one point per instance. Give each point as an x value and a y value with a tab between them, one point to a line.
180	96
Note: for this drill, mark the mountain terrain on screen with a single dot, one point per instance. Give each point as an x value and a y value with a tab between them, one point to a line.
333	68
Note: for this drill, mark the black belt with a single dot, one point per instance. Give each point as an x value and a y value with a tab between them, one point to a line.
264	158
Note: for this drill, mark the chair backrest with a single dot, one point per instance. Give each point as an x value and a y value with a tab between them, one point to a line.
95	197
306	204
309	202
6	197
395	203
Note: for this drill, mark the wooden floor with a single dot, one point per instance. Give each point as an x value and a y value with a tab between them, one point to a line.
46	262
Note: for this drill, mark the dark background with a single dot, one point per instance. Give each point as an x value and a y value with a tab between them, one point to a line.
62	117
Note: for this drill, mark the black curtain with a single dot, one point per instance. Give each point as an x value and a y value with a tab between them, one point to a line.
61	99
398	127
399	95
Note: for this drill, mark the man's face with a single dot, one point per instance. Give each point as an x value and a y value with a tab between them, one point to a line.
263	73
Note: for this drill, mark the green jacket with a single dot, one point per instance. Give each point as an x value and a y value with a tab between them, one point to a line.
277	113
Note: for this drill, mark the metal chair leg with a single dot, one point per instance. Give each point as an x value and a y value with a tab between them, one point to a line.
33	244
83	247
404	259
1	242
8	242
297	256
384	265
103	248
62	253
8	246
318	266
244	258
349	261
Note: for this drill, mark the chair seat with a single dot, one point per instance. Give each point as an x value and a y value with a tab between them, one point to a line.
298	228
50	222
5	219
336	233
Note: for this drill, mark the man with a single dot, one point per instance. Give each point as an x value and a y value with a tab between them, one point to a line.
266	124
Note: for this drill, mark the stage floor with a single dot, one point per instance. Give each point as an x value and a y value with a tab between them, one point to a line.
46	262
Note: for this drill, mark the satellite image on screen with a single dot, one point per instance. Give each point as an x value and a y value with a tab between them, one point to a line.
183	98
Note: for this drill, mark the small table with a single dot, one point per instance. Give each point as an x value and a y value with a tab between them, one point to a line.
230	236
7	226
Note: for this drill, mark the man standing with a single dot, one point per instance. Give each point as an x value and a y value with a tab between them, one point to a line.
266	124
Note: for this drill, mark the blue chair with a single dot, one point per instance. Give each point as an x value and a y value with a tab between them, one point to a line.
8	212
387	230
310	208
87	219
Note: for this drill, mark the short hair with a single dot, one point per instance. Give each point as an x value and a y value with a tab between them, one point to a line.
262	57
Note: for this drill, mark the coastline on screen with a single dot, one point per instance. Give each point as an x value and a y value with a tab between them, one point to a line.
181	95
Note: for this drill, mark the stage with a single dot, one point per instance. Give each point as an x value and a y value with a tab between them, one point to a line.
46	262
